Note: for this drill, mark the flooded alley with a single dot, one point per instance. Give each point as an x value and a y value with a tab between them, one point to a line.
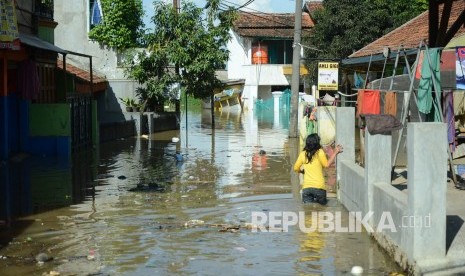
149	206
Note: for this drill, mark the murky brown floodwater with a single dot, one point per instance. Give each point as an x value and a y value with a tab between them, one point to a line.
126	207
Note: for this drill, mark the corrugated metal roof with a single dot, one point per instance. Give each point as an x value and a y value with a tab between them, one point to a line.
36	42
374	58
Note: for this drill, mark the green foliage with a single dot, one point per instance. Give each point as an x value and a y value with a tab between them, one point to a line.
344	26
129	102
184	48
47	3
122	24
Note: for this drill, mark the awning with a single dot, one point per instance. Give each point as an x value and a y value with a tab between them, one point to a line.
375	58
36	42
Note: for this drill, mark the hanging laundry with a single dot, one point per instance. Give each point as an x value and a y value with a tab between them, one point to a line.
381	123
449	118
28	80
430	74
310	118
460	67
390	103
358	80
359	102
419	66
370	101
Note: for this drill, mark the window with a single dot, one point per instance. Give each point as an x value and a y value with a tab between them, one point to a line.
47	92
95	13
272	52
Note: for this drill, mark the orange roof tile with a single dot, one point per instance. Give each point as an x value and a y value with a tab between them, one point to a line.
272	25
313	5
411	33
100	83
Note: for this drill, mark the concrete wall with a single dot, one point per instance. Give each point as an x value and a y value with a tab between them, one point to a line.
50	130
4	152
50	120
410	226
72	34
239	55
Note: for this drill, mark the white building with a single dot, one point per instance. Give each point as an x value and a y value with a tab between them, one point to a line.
261	52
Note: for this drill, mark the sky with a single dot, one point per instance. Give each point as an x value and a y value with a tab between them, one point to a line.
278	6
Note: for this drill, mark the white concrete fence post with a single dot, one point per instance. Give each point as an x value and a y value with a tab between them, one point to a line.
345	136
377	164
427	186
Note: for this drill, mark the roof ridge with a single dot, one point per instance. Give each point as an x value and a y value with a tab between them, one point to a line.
398	29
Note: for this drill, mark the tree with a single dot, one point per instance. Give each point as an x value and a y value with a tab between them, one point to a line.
188	41
122	24
344	26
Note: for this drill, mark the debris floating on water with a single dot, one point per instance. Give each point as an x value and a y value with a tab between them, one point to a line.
194	222
356	270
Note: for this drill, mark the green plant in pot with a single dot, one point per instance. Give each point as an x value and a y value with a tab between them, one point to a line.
128	103
137	106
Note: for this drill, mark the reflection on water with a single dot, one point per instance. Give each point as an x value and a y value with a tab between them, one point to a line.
127	205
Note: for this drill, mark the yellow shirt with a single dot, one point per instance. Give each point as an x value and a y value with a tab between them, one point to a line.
313	170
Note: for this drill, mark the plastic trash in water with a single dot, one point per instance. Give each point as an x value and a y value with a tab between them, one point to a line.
356	270
179	157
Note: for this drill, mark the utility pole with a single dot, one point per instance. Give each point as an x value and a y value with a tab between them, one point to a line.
293	128
177	102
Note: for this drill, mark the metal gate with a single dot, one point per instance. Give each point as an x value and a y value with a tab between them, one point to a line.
81	121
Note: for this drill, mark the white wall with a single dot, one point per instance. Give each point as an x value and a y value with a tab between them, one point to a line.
239	55
72	34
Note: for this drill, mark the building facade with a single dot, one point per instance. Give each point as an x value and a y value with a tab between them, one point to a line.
261	52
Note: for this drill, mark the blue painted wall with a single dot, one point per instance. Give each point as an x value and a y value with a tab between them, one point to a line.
15	134
4	129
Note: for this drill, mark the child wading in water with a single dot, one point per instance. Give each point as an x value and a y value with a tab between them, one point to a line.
311	162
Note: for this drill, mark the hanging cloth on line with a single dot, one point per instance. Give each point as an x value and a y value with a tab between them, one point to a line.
310	117
449	118
369	101
28	80
390	103
358	81
425	88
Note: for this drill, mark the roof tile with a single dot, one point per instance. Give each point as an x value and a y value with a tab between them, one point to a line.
276	25
100	83
411	33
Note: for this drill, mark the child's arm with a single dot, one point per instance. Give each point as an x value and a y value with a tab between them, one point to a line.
336	151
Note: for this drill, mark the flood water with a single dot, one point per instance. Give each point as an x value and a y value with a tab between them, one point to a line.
129	208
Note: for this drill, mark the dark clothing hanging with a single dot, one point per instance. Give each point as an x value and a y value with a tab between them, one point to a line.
449	118
381	123
28	80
